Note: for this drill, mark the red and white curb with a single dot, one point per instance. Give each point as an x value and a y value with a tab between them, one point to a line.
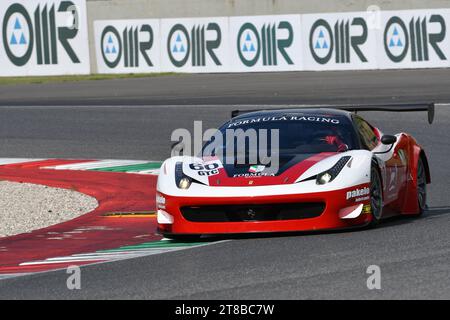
122	227
128	166
127	197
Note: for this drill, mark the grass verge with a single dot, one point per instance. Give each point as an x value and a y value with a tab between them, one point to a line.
73	78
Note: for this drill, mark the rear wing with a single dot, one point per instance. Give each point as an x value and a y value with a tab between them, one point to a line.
398	107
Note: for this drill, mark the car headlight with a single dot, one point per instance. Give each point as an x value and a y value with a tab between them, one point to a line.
184	183
323	178
181	180
332	173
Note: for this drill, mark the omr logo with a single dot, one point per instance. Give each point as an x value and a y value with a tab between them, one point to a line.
182	44
321	41
179	46
132	43
21	34
250	46
396	40
254	44
399	39
325	40
112	45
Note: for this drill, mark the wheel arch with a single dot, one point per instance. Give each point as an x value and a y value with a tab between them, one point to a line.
377	164
410	203
424	158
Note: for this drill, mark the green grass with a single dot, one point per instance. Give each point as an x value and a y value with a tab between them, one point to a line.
92	77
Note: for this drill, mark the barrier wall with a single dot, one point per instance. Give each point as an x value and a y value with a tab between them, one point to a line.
50	37
332	41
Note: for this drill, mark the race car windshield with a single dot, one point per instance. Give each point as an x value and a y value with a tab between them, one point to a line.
297	135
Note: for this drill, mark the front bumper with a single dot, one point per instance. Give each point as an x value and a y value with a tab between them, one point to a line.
335	202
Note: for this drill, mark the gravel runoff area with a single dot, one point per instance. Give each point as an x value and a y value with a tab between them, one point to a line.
26	207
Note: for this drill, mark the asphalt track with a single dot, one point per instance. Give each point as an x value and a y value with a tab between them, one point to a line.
413	254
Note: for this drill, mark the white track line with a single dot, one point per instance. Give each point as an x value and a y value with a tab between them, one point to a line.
97	164
6	161
13	275
151	171
105	256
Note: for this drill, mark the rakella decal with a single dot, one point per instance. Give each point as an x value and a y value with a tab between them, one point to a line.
357	193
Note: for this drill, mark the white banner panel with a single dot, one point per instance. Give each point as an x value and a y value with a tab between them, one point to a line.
266	43
340	41
43	37
332	41
414	39
195	45
127	46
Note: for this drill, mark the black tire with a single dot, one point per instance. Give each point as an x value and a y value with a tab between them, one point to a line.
421	187
376	196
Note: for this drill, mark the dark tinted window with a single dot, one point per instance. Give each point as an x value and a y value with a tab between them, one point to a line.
298	134
367	135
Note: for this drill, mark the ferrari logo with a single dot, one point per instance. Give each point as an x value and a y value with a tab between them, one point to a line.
251	213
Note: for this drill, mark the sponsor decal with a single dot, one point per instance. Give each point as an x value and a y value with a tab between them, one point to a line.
367	209
160	201
256	168
253	175
362	199
358	193
207	169
284	118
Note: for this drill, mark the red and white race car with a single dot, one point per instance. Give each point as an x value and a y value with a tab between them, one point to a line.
334	170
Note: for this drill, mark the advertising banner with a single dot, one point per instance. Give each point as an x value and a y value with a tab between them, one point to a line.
332	41
340	41
266	43
127	46
195	45
414	39
43	37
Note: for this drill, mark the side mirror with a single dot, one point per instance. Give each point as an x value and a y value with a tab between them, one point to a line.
388	139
